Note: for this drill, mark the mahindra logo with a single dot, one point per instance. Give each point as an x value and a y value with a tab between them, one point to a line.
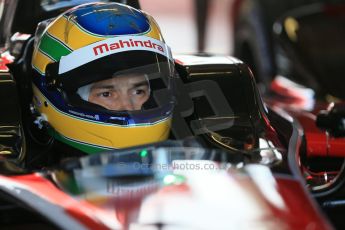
122	44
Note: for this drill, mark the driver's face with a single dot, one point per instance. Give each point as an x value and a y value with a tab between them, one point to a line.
125	92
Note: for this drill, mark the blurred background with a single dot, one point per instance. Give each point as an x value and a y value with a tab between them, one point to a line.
178	24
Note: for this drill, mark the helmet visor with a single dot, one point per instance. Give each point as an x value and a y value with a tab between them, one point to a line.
122	76
135	89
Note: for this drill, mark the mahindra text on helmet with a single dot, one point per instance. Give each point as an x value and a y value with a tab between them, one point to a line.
111	46
105	47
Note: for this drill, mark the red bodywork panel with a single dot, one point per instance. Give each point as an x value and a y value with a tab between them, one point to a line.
292	216
319	143
80	210
4	60
299	207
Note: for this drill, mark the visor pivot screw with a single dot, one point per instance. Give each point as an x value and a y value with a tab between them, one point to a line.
40	122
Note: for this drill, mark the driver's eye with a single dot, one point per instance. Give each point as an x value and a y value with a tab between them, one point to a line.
105	94
139	91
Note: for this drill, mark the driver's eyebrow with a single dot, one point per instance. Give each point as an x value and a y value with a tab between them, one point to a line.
103	87
141	83
111	86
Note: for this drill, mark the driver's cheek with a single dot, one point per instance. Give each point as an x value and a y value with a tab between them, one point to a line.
136	102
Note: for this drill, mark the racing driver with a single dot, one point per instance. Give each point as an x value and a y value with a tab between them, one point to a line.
102	78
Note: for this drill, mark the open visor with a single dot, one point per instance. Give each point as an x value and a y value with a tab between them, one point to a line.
135	85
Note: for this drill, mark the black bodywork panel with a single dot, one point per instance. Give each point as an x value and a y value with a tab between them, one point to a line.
12	142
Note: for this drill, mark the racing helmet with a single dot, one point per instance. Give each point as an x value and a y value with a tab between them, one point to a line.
91	59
